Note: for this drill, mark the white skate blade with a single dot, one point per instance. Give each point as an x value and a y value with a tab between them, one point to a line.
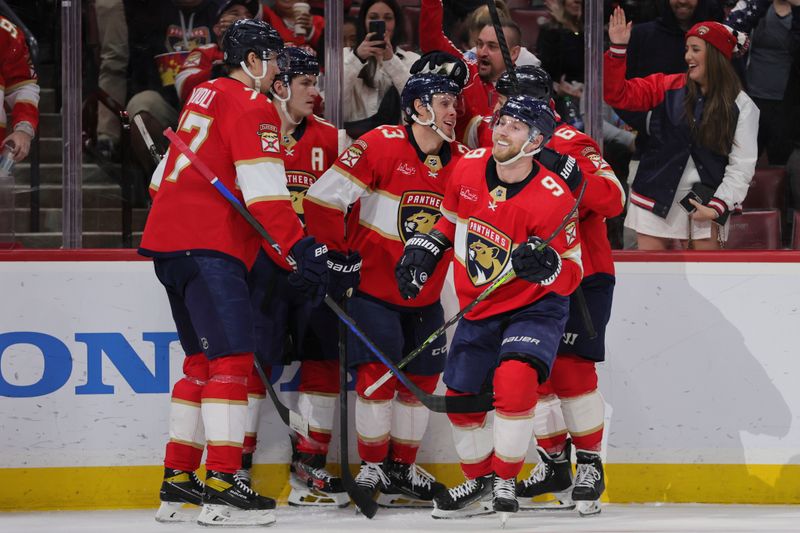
402	501
228	516
588	508
561	501
177	512
303	497
503	519
475	509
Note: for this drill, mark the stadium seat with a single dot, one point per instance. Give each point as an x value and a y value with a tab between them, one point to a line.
796	231
530	20
767	190
411	14
755	230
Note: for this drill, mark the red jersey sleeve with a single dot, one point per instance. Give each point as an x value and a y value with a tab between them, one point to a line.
567	241
18	82
196	69
636	94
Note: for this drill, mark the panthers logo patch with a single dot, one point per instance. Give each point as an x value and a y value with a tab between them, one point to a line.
350	157
419	211
298	183
270	142
488	252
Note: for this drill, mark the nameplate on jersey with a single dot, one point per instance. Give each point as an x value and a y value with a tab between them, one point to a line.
270	140
419	211
298	183
488	252
353	153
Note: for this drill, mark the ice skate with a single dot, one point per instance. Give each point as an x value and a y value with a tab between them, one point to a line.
228	501
471	498
589	483
504	498
552	475
410	486
181	495
313	485
372	478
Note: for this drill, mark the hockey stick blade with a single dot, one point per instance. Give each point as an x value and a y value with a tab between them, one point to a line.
435	402
363	501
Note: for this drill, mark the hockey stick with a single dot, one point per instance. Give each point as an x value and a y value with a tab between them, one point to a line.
148	140
437	403
482	296
291	418
501	41
363	501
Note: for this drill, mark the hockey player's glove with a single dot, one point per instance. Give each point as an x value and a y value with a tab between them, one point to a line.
420	257
536	266
344	273
563	165
311	274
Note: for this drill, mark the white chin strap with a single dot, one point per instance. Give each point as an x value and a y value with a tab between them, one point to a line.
431	123
522	153
256	79
285	107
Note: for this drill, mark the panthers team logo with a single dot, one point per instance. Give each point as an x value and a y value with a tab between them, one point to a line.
298	183
419	211
488	252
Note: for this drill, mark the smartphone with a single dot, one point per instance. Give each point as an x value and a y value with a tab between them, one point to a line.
378	27
684	202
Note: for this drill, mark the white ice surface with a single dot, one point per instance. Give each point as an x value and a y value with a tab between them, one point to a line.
614	519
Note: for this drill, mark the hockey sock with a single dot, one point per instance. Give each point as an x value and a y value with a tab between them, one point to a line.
224	408
549	427
515	394
319	389
575	382
373	414
186	433
473	441
410	419
256	392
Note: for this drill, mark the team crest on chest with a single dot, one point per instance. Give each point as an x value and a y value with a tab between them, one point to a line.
488	252
298	183
419	211
270	141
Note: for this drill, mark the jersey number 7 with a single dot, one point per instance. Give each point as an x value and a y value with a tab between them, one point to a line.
197	124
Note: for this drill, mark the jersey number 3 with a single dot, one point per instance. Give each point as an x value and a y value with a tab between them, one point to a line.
198	125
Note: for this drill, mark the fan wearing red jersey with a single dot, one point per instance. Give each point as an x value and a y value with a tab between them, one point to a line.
309	147
393	178
202	249
495	211
19	92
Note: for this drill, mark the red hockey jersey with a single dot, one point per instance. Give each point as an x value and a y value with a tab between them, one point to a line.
604	196
287	34
236	131
196	69
19	90
399	190
485	230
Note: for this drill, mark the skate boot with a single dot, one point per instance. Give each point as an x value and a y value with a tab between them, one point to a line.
313	485
372	478
244	473
471	498
504	498
411	486
552	475
228	501
178	489
589	483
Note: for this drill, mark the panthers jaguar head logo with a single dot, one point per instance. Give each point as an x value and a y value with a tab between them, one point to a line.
297	199
488	252
421	221
418	212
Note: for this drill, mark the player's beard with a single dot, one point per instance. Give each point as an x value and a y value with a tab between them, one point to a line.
505	152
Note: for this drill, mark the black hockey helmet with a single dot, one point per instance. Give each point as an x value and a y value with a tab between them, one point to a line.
294	61
424	86
247	35
442	64
531	81
535	113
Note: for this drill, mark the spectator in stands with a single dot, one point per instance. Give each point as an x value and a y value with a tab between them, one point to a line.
19	92
301	29
349	32
375	71
701	126
479	94
113	36
206	62
161	35
479	19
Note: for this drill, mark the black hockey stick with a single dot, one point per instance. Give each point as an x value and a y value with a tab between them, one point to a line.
501	41
482	296
363	501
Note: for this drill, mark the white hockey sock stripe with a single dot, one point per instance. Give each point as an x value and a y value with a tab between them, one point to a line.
409	421
583	414
473	444
548	419
373	419
224	420
318	409
253	409
185	423
512	436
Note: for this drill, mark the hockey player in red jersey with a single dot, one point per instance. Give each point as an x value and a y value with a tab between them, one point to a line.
309	146
496	211
19	92
394	178
202	250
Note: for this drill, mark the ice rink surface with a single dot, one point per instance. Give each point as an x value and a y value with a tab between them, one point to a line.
614	519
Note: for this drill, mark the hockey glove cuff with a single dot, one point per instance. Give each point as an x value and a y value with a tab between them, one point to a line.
564	165
534	265
420	257
344	274
311	275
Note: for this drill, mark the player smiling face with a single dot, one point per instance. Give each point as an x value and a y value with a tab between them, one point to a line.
444	108
509	135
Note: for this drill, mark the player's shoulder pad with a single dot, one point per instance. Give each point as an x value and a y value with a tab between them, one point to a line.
324	122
